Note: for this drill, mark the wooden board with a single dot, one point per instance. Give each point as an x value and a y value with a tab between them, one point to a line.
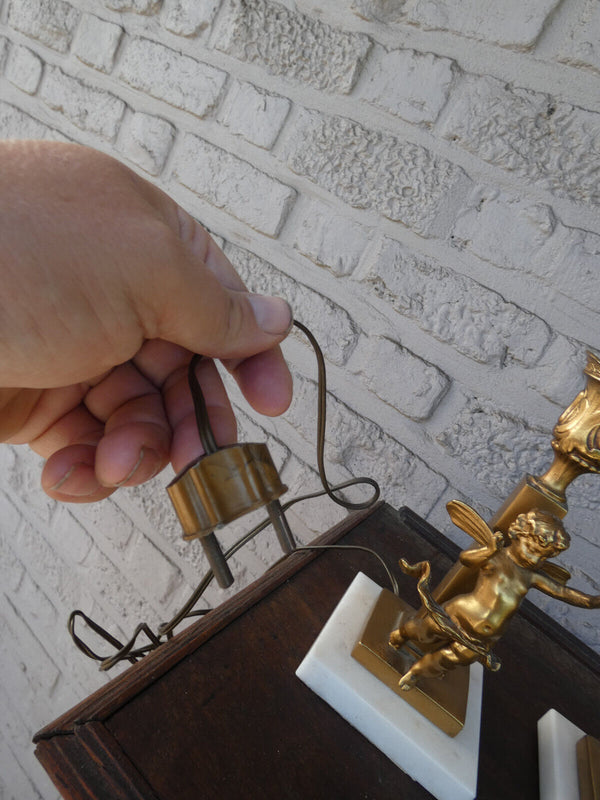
218	712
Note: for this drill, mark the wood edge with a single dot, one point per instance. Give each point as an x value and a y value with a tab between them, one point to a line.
106	700
65	777
73	763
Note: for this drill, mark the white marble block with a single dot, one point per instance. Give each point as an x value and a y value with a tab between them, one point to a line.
445	766
557	742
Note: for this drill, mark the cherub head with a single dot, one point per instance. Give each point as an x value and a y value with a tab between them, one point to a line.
538	535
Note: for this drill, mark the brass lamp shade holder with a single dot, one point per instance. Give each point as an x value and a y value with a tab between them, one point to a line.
223	485
228	482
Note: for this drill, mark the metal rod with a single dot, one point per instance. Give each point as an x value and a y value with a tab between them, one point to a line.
216	559
282	528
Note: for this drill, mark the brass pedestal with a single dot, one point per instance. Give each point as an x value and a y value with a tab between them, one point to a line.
443	701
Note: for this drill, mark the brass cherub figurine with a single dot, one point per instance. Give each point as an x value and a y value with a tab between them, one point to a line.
464	628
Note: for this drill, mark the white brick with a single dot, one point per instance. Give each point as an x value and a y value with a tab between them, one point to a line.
19	648
167	75
105	522
254	114
50	571
96	42
158	512
398	377
558	375
369	169
380	10
565	258
233	185
49	625
135	6
113	588
15	781
153	574
146	140
36	607
511	23
577	266
87	107
52	22
530	134
8	453
4	45
488	214
309	519
12	570
414	86
24	479
292	45
15	726
9	516
495	448
581	46
69	537
15	124
361	447
188	17
330	239
251	431
330	323
24	69
453	308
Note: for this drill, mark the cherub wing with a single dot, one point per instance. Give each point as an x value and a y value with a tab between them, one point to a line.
468	520
556	572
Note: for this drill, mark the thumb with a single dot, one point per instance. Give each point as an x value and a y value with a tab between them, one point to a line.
204	306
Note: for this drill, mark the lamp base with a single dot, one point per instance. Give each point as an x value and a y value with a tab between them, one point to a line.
445	766
442	701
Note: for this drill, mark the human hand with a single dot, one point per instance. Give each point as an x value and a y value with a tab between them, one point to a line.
108	287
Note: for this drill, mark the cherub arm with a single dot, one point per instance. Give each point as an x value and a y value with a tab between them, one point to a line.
476	556
574	597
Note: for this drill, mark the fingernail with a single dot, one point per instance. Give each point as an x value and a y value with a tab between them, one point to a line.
79	481
132	471
273	314
146	467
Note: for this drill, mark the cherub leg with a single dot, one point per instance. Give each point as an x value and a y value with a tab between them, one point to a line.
436	664
414	629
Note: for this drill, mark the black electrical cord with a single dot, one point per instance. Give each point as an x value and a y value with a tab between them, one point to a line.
207	437
321	424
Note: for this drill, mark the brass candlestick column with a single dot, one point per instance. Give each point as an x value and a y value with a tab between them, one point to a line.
576	445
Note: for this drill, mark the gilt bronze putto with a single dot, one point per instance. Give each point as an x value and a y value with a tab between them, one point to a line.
459	622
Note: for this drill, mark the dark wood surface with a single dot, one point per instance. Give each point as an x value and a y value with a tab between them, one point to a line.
218	712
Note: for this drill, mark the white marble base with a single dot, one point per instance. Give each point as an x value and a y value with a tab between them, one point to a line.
557	740
445	766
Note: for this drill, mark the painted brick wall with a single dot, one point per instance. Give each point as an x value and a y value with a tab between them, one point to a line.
419	179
